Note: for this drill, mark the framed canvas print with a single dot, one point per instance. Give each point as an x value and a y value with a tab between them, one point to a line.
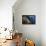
28	19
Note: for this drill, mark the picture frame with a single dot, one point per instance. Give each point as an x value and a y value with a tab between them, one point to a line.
28	19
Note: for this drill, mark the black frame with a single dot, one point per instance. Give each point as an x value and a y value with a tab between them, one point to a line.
28	19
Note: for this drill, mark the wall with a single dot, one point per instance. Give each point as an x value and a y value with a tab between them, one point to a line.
28	7
33	30
43	22
6	13
6	16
